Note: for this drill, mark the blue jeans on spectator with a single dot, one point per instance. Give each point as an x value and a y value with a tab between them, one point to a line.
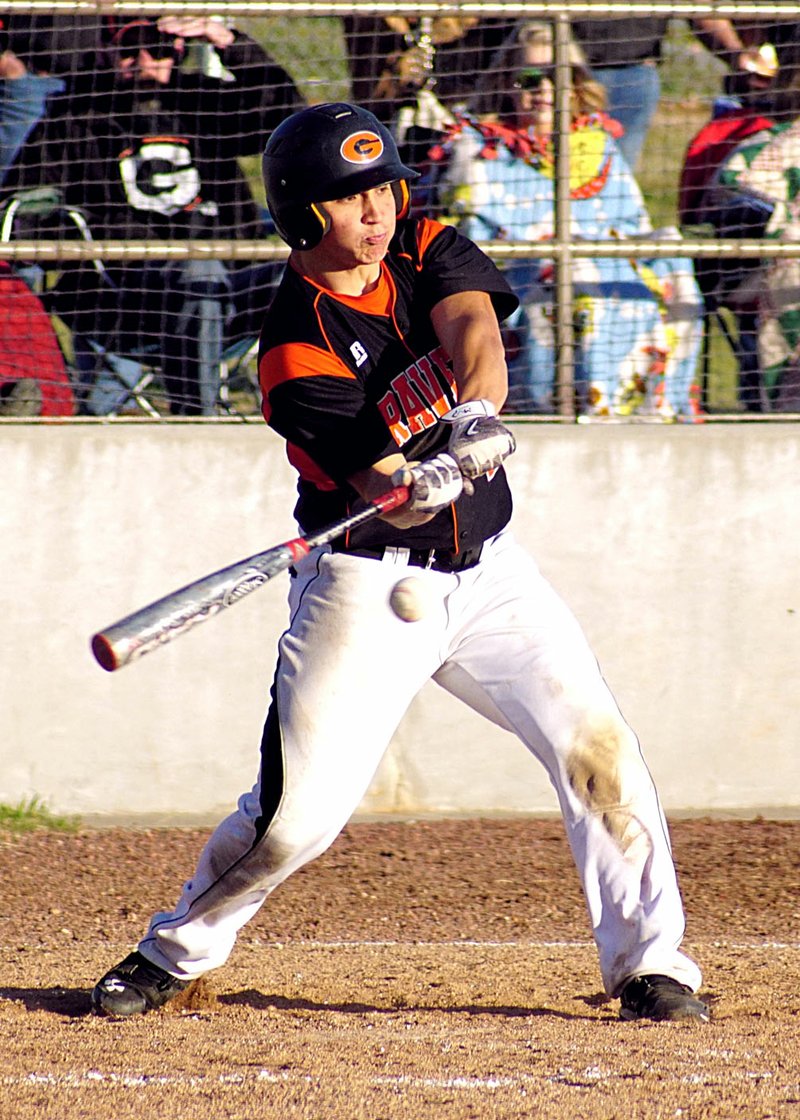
22	106
633	93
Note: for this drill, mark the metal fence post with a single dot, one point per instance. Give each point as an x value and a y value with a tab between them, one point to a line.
565	341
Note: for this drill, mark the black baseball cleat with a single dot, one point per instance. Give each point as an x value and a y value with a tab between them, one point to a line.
660	998
133	987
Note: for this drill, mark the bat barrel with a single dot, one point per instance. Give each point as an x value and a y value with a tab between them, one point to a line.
165	620
161	622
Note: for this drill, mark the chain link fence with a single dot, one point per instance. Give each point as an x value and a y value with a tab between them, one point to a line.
633	168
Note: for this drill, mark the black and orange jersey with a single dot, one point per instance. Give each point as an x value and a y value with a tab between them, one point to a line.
348	380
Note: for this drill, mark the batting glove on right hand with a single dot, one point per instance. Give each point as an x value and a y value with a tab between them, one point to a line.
434	484
478	442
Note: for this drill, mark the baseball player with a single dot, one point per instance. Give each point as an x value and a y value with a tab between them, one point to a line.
382	364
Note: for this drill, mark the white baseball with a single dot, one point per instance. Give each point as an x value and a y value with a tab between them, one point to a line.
408	599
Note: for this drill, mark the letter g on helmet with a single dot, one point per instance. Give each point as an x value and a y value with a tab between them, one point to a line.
361	147
327	152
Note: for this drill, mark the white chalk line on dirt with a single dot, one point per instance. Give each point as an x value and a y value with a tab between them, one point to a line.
93	1078
584	1078
98	1079
765	946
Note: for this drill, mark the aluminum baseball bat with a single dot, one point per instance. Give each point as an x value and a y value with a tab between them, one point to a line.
168	618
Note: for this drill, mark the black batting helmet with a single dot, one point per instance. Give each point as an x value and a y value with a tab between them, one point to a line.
327	152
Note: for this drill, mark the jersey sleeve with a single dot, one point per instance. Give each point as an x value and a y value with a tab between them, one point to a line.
451	263
315	402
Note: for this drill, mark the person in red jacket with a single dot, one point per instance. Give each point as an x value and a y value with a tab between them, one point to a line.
33	375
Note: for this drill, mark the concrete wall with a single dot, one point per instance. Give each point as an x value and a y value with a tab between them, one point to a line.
678	548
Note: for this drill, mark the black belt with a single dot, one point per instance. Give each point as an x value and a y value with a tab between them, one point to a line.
438	559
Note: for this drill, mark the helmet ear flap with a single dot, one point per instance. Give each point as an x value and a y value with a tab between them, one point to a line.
402	197
321	216
303	227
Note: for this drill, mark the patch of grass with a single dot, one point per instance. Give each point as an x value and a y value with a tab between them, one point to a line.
32	814
723	370
688	70
691	77
690	80
658	173
310	48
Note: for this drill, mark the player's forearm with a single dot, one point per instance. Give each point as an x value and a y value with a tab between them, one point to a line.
483	375
721	37
467	327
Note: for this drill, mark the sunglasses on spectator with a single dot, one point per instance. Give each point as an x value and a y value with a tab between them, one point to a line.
532	77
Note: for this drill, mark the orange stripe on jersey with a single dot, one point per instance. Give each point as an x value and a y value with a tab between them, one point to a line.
455	527
298	359
427	231
376	302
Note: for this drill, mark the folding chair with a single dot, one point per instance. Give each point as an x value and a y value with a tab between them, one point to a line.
109	379
119	381
106	383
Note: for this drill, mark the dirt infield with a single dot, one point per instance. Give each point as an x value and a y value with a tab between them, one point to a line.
417	969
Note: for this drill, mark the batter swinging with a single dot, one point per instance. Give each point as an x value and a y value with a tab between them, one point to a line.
382	363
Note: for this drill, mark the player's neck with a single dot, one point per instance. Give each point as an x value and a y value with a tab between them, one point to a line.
358	281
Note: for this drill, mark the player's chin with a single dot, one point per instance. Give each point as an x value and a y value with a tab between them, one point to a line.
375	249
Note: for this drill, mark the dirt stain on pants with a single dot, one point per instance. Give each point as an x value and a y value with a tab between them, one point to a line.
607	773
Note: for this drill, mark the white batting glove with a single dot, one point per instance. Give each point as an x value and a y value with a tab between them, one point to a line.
478	442
434	484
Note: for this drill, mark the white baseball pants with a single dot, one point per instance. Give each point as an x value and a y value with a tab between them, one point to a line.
498	637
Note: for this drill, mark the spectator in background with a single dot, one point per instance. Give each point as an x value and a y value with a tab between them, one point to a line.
624	54
773	52
33	378
150	152
784	37
384	54
743	114
53	50
753	193
637	323
760	178
63	45
412	72
23	101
